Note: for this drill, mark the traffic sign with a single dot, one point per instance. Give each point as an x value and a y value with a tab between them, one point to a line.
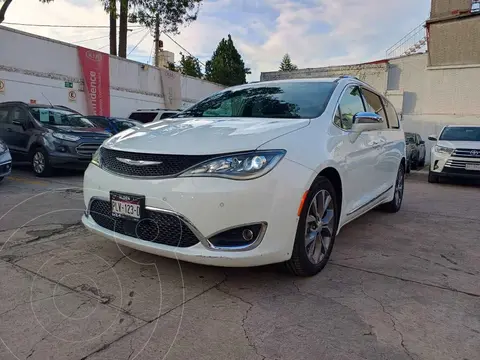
2	86
69	84
72	95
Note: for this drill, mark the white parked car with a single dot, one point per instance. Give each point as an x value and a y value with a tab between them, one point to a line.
456	153
5	160
148	115
255	174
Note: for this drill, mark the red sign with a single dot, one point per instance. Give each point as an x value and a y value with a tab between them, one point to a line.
96	74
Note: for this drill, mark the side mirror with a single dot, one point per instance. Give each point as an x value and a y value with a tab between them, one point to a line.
366	121
432	138
421	142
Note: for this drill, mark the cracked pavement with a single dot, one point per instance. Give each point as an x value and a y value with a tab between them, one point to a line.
402	286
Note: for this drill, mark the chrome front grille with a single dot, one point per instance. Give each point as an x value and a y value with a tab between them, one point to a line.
87	149
460	164
155	165
467	153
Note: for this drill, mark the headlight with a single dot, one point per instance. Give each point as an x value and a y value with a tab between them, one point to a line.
242	166
443	149
66	137
3	147
96	158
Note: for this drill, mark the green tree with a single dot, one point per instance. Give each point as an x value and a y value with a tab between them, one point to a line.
190	65
226	66
287	65
171	66
6	4
171	13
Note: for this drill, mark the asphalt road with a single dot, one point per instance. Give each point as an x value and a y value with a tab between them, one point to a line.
402	286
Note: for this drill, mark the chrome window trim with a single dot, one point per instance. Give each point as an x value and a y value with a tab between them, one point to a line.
203	240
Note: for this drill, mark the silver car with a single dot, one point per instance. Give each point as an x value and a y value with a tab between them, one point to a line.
5	160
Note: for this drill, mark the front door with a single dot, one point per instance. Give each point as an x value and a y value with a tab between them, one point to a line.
360	154
17	130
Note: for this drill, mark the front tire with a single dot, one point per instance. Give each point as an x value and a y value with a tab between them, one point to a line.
316	230
396	203
40	163
432	178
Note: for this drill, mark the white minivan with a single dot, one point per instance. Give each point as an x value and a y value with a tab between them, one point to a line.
255	174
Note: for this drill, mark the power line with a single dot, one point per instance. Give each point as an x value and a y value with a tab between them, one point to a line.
181	47
132	33
143	38
65	26
91	39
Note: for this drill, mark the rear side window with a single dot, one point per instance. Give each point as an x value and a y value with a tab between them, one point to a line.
3	115
167	115
373	103
391	114
143	117
350	104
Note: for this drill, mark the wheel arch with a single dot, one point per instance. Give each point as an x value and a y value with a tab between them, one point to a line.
335	179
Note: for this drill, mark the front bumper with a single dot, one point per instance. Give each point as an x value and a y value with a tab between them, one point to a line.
5	164
209	206
446	165
76	155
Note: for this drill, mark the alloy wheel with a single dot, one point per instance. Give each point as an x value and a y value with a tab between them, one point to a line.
399	185
38	162
319	226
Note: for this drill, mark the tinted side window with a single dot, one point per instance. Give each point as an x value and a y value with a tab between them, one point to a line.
373	103
350	104
166	115
144	117
391	114
3	115
419	138
18	114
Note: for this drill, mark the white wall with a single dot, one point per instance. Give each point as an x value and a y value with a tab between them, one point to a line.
32	65
435	96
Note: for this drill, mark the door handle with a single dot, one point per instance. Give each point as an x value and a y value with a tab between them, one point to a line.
9	129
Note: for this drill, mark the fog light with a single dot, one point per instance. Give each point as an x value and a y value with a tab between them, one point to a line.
247	235
61	148
239	237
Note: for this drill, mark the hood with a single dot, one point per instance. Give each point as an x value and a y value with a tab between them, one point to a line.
79	131
459	144
203	136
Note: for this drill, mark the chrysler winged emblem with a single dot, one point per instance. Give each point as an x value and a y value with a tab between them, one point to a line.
475	152
138	162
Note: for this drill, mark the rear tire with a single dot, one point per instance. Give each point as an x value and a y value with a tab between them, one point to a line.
421	164
396	203
432	178
40	163
316	230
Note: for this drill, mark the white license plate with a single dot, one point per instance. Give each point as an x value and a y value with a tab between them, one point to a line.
127	206
121	208
472	167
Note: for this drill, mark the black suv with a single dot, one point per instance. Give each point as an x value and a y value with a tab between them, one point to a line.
49	136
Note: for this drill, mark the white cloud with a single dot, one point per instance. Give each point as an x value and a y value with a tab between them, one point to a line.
314	32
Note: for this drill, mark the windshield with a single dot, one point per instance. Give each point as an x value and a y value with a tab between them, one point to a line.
60	117
461	133
289	100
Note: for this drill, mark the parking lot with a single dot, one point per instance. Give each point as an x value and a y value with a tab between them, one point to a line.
403	286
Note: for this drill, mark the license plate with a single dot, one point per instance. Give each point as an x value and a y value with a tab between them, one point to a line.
127	206
472	167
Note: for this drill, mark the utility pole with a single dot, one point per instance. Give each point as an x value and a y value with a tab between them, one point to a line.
157	39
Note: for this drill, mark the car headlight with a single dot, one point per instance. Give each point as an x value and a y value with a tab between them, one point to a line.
3	147
96	158
66	137
241	166
443	149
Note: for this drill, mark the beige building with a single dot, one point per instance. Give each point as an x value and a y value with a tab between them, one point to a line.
429	89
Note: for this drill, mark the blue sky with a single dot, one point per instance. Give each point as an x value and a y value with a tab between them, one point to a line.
314	32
